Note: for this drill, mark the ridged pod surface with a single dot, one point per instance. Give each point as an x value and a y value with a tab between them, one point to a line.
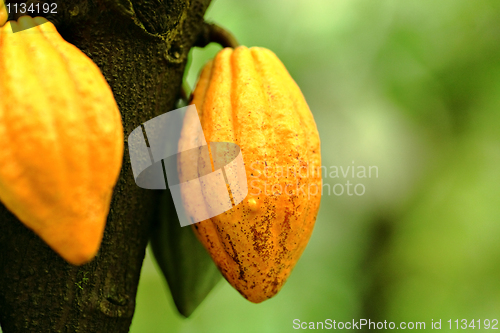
61	144
246	96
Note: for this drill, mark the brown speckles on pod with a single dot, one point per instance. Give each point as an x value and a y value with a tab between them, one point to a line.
246	96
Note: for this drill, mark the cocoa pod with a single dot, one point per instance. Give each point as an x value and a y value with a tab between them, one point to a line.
4	15
247	97
62	138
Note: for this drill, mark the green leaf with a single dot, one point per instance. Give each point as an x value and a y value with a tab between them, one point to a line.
186	265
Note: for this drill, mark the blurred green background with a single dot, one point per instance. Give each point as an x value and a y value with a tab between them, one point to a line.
413	88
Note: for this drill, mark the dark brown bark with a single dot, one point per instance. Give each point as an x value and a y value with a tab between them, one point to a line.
141	47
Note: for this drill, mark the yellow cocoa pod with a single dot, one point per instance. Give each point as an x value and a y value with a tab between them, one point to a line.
247	97
61	143
3	13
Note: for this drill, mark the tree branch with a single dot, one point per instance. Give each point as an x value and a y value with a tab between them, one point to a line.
39	291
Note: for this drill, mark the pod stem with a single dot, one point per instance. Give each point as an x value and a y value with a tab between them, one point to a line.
185	95
211	32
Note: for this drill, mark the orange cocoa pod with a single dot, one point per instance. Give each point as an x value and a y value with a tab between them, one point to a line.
61	138
247	97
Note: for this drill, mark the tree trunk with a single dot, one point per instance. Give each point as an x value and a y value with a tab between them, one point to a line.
141	47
